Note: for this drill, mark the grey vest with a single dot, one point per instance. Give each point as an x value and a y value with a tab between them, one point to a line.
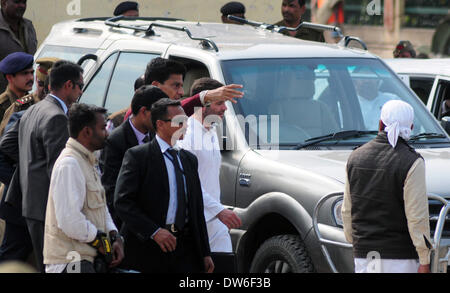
376	173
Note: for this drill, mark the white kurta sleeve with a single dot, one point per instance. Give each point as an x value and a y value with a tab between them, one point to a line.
416	209
346	212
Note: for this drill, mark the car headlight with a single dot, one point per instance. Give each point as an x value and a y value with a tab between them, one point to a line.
337	207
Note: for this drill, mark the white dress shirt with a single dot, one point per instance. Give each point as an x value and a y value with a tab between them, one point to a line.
63	105
139	135
173	201
69	185
205	145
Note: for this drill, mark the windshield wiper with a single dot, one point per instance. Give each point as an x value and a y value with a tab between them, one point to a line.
426	135
334	136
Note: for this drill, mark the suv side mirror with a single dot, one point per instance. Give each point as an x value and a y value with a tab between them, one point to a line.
445	123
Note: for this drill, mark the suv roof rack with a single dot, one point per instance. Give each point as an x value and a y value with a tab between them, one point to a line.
205	42
279	29
130	18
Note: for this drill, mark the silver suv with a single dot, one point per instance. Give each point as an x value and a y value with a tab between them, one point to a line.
285	145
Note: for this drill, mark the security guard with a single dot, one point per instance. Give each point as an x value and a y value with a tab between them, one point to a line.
18	70
292	11
404	49
21	104
42	73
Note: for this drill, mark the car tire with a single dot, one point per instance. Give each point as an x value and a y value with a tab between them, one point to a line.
282	254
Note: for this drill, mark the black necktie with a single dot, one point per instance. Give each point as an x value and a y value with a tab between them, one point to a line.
180	217
146	138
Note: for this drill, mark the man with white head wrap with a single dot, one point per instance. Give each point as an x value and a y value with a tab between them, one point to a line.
385	209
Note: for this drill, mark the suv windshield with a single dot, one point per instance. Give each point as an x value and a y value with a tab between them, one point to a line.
295	102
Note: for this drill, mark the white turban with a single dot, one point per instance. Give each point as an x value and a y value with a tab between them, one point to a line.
398	117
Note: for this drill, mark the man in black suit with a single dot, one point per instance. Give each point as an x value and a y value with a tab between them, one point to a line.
135	131
42	136
159	198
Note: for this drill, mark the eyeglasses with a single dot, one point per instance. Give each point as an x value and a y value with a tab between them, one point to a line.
179	121
81	85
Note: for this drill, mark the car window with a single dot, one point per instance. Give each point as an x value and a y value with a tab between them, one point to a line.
95	91
300	99
443	99
129	67
422	87
67	53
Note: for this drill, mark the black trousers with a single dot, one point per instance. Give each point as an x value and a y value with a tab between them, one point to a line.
224	262
36	230
184	259
16	243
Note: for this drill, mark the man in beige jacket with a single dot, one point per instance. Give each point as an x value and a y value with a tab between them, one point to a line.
385	209
77	217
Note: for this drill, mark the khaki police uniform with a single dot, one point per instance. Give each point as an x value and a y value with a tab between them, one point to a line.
17	106
6	99
304	33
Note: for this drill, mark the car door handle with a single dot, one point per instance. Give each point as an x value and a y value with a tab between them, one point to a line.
245	179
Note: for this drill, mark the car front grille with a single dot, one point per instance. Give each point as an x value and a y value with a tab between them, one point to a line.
434	210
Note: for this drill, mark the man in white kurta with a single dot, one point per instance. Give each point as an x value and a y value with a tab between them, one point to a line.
201	140
373	221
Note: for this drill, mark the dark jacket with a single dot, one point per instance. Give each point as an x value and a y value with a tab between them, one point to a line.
119	141
376	173
10	43
43	134
142	200
11	203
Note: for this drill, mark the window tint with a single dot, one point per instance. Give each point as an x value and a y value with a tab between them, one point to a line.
129	67
288	101
422	87
95	91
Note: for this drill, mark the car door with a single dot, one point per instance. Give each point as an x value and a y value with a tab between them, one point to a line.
440	93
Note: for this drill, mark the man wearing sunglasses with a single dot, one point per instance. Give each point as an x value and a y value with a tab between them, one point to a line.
43	134
159	198
44	66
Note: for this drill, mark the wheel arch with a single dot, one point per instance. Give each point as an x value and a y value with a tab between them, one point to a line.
270	215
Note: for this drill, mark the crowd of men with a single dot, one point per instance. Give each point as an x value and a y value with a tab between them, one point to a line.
55	196
150	202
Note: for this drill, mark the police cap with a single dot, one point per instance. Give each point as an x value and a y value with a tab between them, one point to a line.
44	65
125	6
16	62
403	46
